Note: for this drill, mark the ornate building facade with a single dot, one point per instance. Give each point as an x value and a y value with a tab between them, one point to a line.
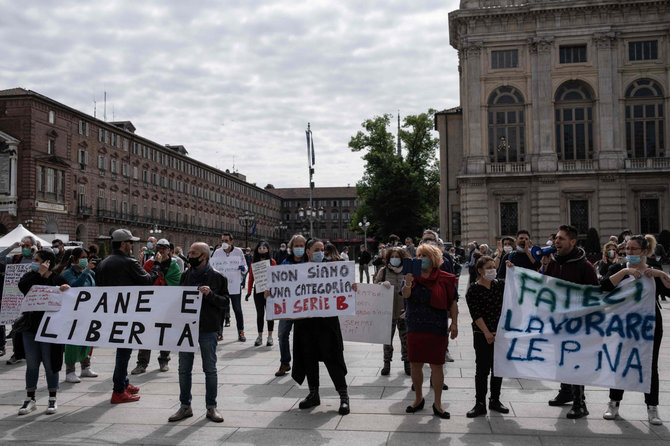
562	118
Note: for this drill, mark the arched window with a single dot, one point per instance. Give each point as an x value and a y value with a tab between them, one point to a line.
574	121
644	119
506	124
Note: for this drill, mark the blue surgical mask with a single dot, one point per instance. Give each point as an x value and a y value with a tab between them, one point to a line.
395	261
298	252
317	257
35	266
150	245
425	263
633	259
83	263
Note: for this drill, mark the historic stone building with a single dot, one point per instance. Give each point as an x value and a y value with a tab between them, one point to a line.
562	118
66	172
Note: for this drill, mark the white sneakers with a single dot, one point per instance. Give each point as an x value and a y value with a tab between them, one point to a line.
72	378
52	405
88	373
612	413
28	406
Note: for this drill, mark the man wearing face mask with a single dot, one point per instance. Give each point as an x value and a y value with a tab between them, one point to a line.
281	254
214	288
234	255
169	275
149	253
59	250
569	263
521	257
121	269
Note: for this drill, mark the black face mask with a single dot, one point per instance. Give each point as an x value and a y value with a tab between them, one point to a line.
195	261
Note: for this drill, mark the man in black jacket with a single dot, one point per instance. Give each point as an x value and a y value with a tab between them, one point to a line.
121	269
364	258
214	288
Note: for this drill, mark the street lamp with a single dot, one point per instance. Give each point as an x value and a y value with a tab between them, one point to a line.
281	227
155	230
245	220
364	225
311	215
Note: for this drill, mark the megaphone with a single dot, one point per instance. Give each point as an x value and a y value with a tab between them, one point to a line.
539	252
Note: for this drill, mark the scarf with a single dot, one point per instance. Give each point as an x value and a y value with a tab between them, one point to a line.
441	286
198	277
394	269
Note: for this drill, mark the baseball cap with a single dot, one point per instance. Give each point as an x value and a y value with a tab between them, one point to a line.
163	242
123	235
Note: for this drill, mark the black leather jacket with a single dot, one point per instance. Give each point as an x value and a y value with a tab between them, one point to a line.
119	269
218	298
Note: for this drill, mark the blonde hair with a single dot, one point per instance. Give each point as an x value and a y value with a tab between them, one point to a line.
431	252
609	245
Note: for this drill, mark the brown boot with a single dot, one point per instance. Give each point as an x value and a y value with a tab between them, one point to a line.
282	370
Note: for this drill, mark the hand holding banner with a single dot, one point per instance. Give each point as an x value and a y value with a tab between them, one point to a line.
42	298
260	270
310	290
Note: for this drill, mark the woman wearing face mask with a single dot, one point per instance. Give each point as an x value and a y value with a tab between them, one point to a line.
331	253
485	299
49	355
79	274
505	246
637	249
391	277
427	299
610	257
261	252
319	339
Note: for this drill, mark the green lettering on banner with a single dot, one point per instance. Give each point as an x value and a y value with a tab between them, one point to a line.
524	278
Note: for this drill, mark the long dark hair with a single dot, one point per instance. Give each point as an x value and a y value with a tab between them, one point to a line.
47	255
258	256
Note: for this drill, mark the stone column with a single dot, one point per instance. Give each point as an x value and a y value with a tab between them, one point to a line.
609	152
471	99
474	210
545	209
543	155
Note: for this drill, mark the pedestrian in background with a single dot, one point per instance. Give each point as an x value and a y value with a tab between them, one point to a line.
261	252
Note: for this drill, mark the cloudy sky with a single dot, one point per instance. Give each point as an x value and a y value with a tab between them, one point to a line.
236	81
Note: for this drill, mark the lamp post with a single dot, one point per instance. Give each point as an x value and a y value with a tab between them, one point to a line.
281	227
364	225
155	230
311	215
245	220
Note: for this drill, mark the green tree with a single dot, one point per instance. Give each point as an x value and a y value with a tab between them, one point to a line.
397	195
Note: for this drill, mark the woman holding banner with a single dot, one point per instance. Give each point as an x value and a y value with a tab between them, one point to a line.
319	339
261	252
391	277
637	249
427	299
485	300
49	355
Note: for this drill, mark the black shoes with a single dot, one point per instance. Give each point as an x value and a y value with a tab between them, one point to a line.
344	406
408	368
312	400
577	411
497	406
479	409
386	370
412	409
444	415
561	399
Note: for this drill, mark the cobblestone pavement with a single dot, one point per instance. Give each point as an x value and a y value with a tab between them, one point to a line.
261	409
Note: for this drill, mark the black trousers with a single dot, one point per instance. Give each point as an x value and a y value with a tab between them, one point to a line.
335	370
484	367
259	301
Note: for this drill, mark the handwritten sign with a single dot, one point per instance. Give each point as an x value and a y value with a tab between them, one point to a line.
311	290
374	312
260	270
11	295
42	298
560	331
228	265
152	318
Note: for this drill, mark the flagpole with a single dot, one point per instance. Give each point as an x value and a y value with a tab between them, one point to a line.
310	163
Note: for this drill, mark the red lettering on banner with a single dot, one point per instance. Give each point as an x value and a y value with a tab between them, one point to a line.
341	304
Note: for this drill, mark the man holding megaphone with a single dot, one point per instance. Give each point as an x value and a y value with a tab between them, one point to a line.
521	257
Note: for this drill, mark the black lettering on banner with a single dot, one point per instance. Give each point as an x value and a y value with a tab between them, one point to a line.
120	303
44	329
135	329
101	303
93	335
83	296
186	334
141	300
115	331
186	300
74	325
162	326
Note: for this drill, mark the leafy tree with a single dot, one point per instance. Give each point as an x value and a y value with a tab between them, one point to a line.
397	195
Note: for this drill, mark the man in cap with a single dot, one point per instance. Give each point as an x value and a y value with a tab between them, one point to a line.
120	269
169	275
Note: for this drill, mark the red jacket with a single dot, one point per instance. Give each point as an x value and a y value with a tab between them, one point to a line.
574	268
251	276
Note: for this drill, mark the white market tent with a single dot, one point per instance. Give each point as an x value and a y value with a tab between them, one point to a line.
16	234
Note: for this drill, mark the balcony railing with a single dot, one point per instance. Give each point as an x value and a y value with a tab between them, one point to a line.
576	165
647	163
503	168
84	211
148	221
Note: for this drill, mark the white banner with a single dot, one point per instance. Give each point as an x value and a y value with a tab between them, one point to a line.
555	330
229	266
374	313
149	317
42	298
311	290
260	270
11	295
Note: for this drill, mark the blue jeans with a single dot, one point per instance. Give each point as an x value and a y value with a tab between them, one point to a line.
207	343
120	376
236	302
285	326
36	353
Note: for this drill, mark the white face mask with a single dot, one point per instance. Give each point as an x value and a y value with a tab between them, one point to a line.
507	249
490	274
225	246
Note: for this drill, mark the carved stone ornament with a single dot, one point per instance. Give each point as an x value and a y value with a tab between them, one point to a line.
604	41
540	44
